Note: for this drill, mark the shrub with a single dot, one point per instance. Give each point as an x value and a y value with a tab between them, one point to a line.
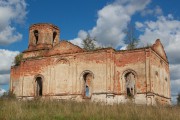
18	59
8	95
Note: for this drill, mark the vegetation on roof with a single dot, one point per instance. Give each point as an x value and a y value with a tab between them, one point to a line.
18	59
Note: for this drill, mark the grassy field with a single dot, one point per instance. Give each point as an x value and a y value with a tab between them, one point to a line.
59	110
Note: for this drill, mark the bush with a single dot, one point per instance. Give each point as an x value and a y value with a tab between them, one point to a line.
8	95
18	59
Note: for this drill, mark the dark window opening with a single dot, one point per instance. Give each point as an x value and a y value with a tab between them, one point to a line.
87	85
54	36
36	36
38	86
130	84
166	79
128	92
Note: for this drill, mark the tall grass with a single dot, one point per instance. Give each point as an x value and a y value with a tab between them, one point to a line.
68	110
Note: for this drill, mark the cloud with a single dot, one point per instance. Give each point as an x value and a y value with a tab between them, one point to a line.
11	11
2	91
152	11
175	71
5	78
167	29
175	89
113	19
7	58
78	41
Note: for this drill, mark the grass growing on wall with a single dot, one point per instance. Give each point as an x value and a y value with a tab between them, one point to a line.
61	110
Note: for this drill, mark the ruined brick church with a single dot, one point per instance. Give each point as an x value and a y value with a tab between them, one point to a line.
55	69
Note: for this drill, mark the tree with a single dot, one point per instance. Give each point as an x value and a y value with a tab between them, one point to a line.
8	95
18	59
131	39
89	43
178	99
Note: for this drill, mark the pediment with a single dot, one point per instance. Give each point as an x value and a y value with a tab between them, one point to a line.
159	49
65	47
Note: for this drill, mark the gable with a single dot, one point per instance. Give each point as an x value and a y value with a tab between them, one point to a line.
65	47
159	49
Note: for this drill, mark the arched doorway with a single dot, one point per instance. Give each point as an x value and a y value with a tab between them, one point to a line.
130	83
87	79
38	86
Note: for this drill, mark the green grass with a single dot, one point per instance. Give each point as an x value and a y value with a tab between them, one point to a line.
68	110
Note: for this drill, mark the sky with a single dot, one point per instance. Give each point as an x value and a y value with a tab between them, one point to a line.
103	19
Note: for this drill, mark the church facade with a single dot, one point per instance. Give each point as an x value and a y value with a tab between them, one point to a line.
55	69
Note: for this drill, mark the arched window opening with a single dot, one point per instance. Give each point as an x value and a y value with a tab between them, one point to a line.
87	84
54	36
130	84
38	86
36	36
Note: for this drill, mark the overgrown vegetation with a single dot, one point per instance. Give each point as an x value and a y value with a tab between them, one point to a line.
18	59
131	39
8	95
68	110
89	43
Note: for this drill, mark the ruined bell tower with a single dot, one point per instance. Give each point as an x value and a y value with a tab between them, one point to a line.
43	36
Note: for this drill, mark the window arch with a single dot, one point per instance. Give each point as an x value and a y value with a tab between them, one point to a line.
130	77
36	34
62	61
54	36
87	79
38	86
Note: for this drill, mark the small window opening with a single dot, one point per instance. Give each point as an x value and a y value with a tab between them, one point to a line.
54	36
36	36
38	86
166	79
130	84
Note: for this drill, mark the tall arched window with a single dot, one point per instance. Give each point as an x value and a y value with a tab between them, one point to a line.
39	86
130	84
36	34
87	79
54	36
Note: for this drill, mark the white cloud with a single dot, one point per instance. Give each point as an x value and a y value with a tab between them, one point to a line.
9	35
78	41
113	19
175	87
7	58
11	11
82	34
174	69
5	78
152	11
2	91
167	29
